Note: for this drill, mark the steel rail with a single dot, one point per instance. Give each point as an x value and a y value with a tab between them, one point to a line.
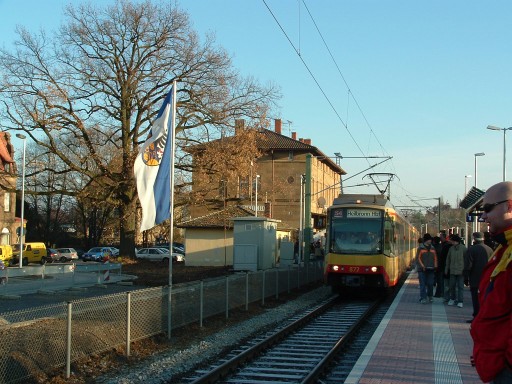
229	366
324	363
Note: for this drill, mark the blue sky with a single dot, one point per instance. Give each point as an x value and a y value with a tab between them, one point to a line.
426	77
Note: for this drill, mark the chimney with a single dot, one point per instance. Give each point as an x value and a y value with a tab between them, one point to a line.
239	125
307	141
301	139
294	135
278	126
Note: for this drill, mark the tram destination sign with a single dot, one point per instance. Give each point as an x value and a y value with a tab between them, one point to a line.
364	214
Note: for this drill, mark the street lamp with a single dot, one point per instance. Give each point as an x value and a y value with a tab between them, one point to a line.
466	177
22	229
493	128
477	155
256	197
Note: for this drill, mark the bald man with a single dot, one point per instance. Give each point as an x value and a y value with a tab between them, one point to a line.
491	329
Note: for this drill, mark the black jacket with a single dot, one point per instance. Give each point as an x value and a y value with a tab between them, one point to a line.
475	261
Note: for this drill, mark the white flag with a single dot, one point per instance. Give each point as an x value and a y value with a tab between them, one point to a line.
153	168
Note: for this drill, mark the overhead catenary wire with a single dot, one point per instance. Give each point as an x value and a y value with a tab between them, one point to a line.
314	79
350	93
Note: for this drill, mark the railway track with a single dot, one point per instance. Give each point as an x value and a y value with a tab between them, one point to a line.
299	352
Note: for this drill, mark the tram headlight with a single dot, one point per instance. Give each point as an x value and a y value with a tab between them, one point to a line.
375	269
335	268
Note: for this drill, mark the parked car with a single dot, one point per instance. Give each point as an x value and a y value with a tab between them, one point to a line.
32	253
6	254
176	247
80	252
178	257
97	254
52	255
159	254
67	254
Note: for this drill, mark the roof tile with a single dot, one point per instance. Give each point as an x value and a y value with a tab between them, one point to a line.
217	219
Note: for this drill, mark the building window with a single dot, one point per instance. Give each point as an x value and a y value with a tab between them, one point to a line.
290	155
7	202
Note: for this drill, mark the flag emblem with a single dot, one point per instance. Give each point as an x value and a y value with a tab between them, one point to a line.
152	155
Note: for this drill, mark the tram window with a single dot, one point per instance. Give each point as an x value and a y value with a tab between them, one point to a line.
389	236
356	236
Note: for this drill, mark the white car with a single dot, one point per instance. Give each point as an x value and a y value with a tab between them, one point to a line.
67	254
158	254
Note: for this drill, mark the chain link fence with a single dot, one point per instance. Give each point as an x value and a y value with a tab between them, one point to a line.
36	341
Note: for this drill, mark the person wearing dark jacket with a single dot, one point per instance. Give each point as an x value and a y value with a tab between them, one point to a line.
442	287
476	258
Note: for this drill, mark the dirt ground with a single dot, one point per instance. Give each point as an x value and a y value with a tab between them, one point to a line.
151	274
156	274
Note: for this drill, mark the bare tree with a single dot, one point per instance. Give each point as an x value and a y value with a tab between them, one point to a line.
89	93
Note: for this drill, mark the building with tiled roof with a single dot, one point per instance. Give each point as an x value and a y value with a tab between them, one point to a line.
280	167
7	190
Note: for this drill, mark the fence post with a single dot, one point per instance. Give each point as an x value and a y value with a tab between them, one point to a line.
289	272
68	341
227	297
298	276
247	290
277	283
128	323
263	289
201	290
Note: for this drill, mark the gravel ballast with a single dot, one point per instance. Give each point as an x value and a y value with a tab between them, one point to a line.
165	366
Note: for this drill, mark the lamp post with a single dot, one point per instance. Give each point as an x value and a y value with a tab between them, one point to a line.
477	155
466	177
493	128
22	228
256	197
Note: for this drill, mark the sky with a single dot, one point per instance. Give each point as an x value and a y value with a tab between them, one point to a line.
415	80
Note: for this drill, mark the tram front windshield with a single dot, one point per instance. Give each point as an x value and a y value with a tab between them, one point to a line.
355	231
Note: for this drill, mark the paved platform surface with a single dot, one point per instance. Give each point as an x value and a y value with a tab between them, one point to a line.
419	343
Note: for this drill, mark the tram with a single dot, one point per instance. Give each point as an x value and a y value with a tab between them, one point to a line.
369	244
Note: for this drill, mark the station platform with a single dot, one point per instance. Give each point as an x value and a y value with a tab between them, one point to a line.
419	343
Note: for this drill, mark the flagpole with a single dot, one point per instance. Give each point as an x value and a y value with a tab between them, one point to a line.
171	216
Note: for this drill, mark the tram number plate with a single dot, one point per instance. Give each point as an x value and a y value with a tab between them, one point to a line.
353	269
353	281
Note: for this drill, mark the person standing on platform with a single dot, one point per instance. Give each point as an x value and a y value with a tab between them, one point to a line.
491	329
476	258
454	268
426	264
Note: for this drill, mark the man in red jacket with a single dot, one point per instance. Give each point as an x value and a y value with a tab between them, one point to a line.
491	329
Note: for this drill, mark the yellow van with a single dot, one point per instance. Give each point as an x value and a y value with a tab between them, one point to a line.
32	253
6	254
